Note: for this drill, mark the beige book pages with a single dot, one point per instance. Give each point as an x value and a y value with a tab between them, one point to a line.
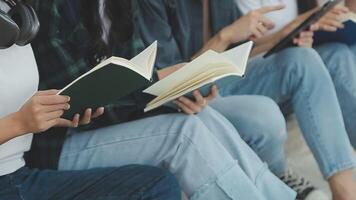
198	85
236	57
144	62
207	77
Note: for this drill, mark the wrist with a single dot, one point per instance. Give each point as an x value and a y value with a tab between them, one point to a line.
224	37
16	124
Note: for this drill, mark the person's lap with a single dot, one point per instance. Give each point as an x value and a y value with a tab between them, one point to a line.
129	182
184	145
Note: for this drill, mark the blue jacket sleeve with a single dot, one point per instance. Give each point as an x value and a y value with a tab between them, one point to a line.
152	20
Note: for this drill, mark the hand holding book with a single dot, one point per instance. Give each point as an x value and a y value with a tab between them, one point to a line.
200	74
334	32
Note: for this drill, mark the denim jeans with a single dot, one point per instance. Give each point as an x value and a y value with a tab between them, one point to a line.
130	182
341	64
299	75
353	49
204	151
260	124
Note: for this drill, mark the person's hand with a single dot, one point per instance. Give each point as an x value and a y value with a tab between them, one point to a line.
305	38
332	21
87	117
252	26
191	107
43	111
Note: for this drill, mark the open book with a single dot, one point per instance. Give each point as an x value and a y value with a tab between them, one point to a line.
109	81
210	67
346	35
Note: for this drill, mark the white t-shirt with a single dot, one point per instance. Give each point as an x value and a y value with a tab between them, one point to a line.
18	82
280	18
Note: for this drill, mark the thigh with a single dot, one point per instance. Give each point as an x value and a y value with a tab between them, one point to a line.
7	190
254	117
148	141
129	182
339	60
277	76
353	49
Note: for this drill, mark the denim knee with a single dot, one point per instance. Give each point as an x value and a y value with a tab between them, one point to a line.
303	66
338	59
270	120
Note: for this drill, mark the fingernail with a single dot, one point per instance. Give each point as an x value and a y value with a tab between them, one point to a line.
68	106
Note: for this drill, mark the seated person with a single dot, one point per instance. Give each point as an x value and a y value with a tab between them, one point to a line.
202	150
24	111
185	29
338	57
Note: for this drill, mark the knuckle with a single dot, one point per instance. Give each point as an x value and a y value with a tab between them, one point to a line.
35	110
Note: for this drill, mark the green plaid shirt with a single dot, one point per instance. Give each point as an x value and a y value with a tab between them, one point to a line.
61	53
61	50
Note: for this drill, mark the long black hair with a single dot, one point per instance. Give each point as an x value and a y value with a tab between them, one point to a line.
120	14
305	5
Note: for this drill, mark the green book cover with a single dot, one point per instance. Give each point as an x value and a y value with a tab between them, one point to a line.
110	81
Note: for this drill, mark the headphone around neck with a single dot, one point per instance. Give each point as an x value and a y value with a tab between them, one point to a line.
19	26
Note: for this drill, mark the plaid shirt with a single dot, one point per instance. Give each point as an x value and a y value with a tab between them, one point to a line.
61	53
61	50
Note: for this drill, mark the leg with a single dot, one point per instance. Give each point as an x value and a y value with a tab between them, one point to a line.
299	75
260	124
182	144
130	182
341	64
353	49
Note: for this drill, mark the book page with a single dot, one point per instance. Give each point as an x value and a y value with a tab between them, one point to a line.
144	62
236	58
239	56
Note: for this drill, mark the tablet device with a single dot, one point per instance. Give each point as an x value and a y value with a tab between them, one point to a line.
287	41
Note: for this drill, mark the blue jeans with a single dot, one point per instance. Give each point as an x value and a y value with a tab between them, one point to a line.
353	49
204	151
260	124
129	182
341	64
299	75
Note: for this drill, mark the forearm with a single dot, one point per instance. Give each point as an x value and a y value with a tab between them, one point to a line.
218	43
351	4
9	128
258	49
